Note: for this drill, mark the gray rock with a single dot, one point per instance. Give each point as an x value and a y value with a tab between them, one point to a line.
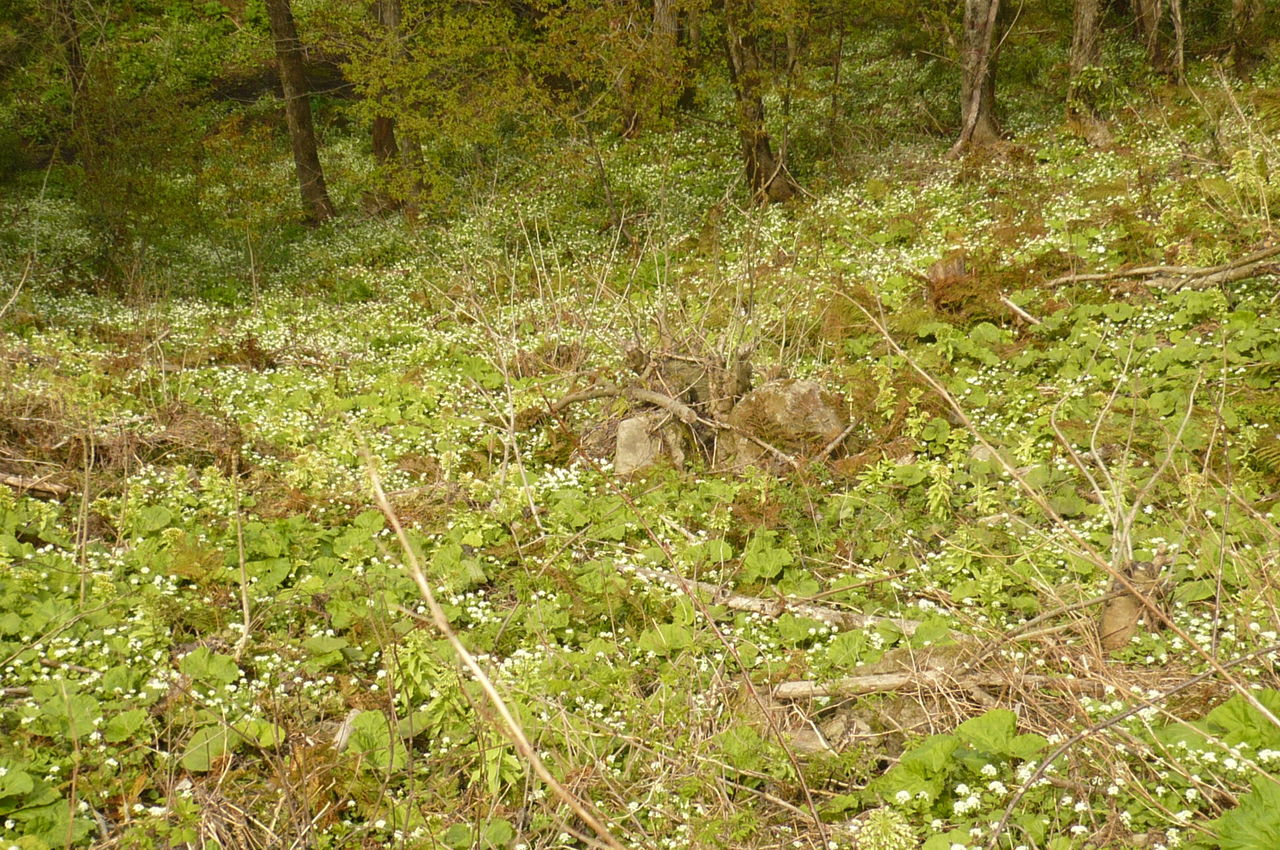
644	440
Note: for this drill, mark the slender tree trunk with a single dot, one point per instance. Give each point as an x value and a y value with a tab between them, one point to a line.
297	110
1146	19
1086	52
688	36
978	76
1179	42
1246	29
68	25
766	173
385	148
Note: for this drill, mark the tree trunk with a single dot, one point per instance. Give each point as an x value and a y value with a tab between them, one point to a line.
385	149
766	173
1086	52
1146	19
68	25
978	76
1246	30
297	110
688	37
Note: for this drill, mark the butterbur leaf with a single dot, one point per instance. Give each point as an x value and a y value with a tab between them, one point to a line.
207	666
123	725
991	732
665	639
1238	722
1255	823
153	518
261	733
798	630
207	745
14	783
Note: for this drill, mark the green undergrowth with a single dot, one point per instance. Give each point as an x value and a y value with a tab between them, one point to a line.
211	639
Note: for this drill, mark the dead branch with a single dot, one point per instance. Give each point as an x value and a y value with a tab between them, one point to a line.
676	408
1180	277
875	683
1018	311
36	486
846	620
835	444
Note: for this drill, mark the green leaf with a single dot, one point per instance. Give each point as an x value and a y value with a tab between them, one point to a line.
1238	722
261	733
1255	823
763	558
153	518
799	630
123	725
991	732
498	833
14	783
207	745
847	650
666	639
909	474
210	667
324	644
371	736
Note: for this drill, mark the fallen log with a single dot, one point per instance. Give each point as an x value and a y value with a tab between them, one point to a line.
846	620
1180	277
937	679
36	486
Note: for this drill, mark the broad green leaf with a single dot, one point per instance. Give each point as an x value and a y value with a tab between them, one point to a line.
153	518
122	726
991	732
207	745
665	639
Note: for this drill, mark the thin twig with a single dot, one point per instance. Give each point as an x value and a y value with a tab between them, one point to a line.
510	725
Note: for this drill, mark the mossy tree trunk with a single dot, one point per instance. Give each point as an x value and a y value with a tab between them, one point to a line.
1246	35
766	171
297	110
1086	53
67	25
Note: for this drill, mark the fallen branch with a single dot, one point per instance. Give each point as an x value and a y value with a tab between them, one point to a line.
846	620
875	683
1018	311
38	486
1181	276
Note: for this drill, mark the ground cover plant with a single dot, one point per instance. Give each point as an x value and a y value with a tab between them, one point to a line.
1024	599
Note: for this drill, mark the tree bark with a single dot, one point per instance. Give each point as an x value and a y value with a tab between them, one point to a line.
1146	19
68	26
1086	52
297	110
978	76
766	172
1246	30
385	149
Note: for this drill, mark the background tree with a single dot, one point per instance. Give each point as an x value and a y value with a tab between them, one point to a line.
978	75
767	174
1086	55
297	110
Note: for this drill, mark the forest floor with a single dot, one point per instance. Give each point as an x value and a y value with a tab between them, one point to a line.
1025	599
